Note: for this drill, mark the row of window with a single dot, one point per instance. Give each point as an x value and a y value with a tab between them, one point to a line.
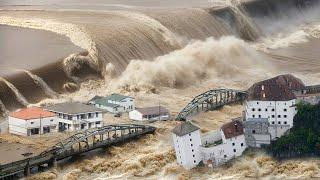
278	103
272	116
233	144
259	109
279	122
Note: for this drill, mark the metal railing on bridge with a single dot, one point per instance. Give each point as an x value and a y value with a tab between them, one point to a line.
211	100
78	143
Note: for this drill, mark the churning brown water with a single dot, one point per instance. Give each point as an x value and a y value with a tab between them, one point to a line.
167	54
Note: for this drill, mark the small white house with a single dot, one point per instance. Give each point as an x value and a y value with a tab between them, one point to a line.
186	139
76	116
223	145
32	121
115	103
149	113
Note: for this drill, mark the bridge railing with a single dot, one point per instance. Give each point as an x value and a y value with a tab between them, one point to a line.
63	149
211	100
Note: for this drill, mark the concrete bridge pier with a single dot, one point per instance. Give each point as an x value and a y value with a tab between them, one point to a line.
27	169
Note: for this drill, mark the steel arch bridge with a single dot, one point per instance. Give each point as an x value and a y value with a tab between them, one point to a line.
211	100
78	143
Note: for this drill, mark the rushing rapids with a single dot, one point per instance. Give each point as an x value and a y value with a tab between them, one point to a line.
114	38
162	54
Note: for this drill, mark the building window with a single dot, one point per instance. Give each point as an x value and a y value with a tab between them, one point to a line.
285	110
191	145
234	150
272	116
253	116
192	155
272	122
189	134
233	144
285	122
98	122
285	116
31	122
241	144
51	120
266	109
279	116
194	161
259	109
253	109
253	131
279	122
259	116
190	139
225	156
257	102
192	150
272	109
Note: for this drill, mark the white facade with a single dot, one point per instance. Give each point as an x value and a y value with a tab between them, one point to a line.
138	116
125	105
81	121
216	149
115	103
280	114
187	149
32	126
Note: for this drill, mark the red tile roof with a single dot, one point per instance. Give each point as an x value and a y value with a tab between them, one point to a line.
31	113
279	88
232	129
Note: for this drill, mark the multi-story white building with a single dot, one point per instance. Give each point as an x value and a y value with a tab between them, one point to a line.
213	149
76	116
149	114
223	145
187	141
274	99
115	103
32	121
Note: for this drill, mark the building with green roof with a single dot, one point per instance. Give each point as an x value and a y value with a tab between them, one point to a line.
114	103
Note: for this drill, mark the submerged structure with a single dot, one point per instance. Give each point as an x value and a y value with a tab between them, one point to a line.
213	149
271	107
114	103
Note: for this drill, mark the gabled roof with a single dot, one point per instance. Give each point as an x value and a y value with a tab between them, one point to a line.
95	98
72	108
232	129
117	97
185	128
279	88
31	113
155	110
103	102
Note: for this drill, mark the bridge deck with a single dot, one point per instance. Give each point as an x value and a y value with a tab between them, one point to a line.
211	100
79	143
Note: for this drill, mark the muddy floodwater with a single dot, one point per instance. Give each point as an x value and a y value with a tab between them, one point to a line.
28	49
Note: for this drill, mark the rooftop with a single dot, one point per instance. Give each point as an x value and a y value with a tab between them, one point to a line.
103	101
31	113
232	129
95	98
152	110
184	128
279	88
117	97
72	108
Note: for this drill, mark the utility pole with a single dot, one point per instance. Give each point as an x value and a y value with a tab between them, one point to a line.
159	108
40	125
